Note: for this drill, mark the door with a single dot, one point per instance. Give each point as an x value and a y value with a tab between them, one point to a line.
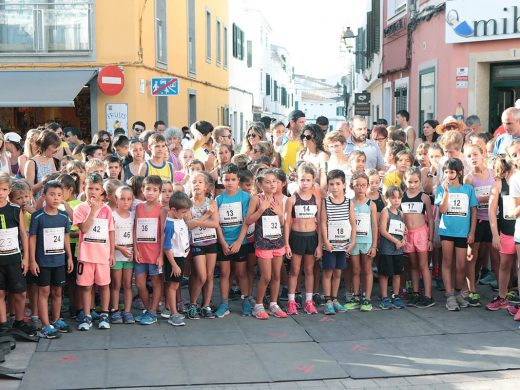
504	91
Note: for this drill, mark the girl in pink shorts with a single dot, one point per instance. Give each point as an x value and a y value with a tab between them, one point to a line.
416	205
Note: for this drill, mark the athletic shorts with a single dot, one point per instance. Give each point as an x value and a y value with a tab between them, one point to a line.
459	242
390	265
334	260
417	240
123	265
167	269
303	243
507	244
150	269
269	253
483	231
250	247
11	278
238	257
204	250
89	274
52	276
360	249
30	279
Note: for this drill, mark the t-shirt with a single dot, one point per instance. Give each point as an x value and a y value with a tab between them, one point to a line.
50	233
288	154
374	157
124	234
176	237
165	171
456	221
232	211
514	192
10	248
94	246
391	179
502	143
148	233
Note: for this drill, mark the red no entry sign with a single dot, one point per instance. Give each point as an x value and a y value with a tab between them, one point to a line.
111	80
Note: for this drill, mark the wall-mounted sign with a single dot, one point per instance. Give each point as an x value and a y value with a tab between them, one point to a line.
362	104
482	20
165	86
116	116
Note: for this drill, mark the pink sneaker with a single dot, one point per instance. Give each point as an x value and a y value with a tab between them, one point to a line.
310	308
260	314
512	310
517	316
497	304
278	312
292	309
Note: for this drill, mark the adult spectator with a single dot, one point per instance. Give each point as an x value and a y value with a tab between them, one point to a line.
90	152
14	150
64	149
379	135
473	123
290	141
500	130
43	163
173	138
402	119
313	152
73	136
5	166
30	149
450	123
136	150
344	128
201	131
511	123
429	134
358	141
103	139
137	128
323	122
159	127
222	135
254	134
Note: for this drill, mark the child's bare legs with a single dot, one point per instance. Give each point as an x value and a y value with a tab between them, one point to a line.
157	287
207	289
140	283
240	269
296	261
317	273
396	281
86	299
225	269
127	289
326	282
419	265
460	267
56	297
171	295
309	262
504	273
470	266
265	278
32	291
383	285
356	273
447	250
251	262
43	304
116	277
199	277
276	269
366	262
3	308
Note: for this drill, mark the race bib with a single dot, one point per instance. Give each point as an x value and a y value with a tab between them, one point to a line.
508	205
396	227
98	233
230	214
201	234
458	205
124	233
250	230
412	207
306	211
54	241
9	241
185	239
146	230
339	232
362	224
483	191
271	228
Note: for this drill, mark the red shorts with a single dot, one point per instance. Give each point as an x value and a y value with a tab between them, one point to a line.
417	240
507	244
269	253
89	274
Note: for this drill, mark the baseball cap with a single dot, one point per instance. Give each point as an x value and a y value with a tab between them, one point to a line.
12	137
294	116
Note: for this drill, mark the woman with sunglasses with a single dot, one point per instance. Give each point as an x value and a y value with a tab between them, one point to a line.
103	139
313	151
254	134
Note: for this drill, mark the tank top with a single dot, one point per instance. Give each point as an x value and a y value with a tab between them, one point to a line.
483	188
268	230
380	204
40	171
10	252
202	236
165	171
218	182
124	234
304	209
394	226
505	203
148	233
413	205
363	223
338	223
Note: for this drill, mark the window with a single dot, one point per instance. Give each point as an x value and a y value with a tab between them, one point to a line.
162	108
192	53
218	43
426	95
192	106
360	47
394	7
249	54
373	30
284	97
46	27
267	84
275	90
161	42
208	36
238	42
225	47
401	98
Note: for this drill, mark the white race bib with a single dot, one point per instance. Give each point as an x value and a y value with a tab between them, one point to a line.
396	227
250	230
185	239
508	204
458	205
201	234
306	211
483	191
339	232
230	214
54	241
362	224
98	233
412	207
9	241
146	230
124	233
271	228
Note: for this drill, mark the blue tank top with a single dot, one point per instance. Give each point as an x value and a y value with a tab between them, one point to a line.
363	223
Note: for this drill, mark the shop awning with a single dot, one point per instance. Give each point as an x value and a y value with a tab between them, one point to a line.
42	88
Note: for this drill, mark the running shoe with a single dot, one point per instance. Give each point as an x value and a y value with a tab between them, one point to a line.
116	317
498	303
474	300
298	299
128	318
487	279
310	308
451	303
166	313
140	316
104	321
61	326
440	285
35	323
206	312
149	318
513	309
349	296
494	285
414	299
48	332
259	313
86	323
318	301
193	313
222	311
160	307
277	311
292	308
247	308
234	293
95	315
425	302
386	304
461	301
338	308
22	326
329	309
366	305
354	303
138	304
517	316
284	294
512	296
176	320
396	301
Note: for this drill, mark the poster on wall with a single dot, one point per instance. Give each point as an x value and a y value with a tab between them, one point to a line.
116	116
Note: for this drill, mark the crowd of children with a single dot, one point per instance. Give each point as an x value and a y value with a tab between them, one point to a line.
88	229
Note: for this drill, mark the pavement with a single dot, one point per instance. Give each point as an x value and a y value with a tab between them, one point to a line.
409	348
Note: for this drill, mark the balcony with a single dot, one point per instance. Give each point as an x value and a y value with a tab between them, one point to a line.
46	28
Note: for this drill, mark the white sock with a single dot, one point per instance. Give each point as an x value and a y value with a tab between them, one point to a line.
258	306
308	297
271	304
291	296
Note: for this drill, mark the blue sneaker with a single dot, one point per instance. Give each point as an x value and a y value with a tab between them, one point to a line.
139	317
61	326
149	318
247	307
222	311
329	309
396	301
128	318
80	316
48	332
338	308
117	317
193	312
95	315
86	323
386	304
104	321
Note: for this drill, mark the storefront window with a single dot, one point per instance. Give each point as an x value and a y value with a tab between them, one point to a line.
426	95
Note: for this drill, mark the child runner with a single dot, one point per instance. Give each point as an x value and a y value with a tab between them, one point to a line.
166	194
95	250
158	163
392	229
338	238
418	218
403	161
50	258
458	207
266	212
110	186
302	240
121	273
113	168
224	154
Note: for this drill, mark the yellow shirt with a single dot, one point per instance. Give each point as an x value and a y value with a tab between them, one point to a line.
165	171
391	179
288	153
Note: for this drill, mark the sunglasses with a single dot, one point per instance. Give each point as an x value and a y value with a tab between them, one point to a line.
104	140
451	127
380	139
258	150
308	137
252	135
138	130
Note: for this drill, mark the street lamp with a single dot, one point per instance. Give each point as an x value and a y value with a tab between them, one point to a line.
349	39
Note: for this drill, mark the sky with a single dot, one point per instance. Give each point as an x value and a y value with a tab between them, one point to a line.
311	31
